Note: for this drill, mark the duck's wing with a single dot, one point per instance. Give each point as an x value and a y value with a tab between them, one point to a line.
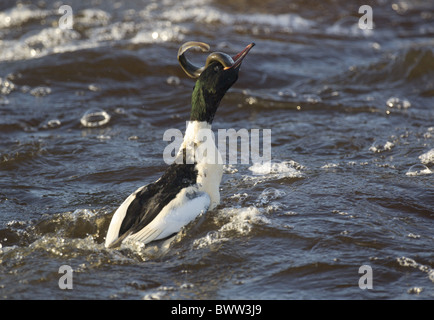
183	209
143	206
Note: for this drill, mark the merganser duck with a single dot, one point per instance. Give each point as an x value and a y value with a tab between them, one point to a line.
189	186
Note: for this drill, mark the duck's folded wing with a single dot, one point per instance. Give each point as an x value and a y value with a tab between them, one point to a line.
124	215
183	209
143	206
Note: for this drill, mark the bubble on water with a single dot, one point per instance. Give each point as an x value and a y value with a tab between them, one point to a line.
95	118
51	124
240	196
40	91
229	169
154	296
6	86
415	290
418	170
312	98
429	133
407	262
211	238
270	194
287	93
395	102
381	146
330	165
414	236
375	46
120	110
342	213
4	101
173	81
86	213
54	123
93	87
25	89
186	285
103	137
251	100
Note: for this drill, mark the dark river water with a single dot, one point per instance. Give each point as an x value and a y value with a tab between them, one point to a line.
346	212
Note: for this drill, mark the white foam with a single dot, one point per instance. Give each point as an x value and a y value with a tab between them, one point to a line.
84	213
34	45
60	246
241	222
408	262
201	11
270	194
49	40
330	165
40	91
158	22
114	32
427	157
92	17
19	15
212	238
278	170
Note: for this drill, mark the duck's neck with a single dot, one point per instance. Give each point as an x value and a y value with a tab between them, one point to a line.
199	148
204	103
196	135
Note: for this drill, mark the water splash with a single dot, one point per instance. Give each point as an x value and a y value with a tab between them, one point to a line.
236	221
270	194
278	170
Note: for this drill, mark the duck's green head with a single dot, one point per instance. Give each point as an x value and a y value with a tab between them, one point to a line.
213	80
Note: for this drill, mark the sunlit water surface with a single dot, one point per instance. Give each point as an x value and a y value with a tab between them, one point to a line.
82	117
